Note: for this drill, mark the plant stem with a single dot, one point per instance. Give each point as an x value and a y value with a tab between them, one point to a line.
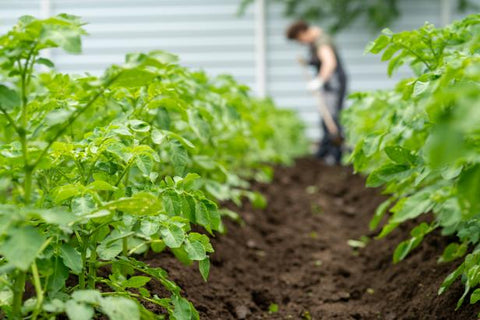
28	184
18	289
92	266
125	246
81	277
38	290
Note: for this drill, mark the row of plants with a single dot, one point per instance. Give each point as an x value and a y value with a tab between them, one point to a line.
421	142
95	171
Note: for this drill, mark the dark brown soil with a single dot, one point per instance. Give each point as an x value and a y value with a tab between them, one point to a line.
295	254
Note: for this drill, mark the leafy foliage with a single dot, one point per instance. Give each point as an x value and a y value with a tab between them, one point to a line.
340	14
421	140
95	171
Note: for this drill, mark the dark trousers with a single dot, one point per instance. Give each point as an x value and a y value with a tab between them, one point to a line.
327	146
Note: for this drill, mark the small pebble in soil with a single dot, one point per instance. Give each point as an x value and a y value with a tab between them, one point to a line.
251	244
242	312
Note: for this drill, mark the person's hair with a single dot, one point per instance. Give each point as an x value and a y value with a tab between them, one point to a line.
294	30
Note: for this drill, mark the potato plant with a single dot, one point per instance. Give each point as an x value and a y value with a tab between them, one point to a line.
421	141
95	171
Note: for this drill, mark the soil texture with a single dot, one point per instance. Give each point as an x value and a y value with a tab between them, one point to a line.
295	254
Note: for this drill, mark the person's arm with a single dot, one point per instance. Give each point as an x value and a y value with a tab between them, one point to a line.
329	62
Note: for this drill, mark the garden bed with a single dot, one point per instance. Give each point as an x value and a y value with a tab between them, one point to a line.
295	255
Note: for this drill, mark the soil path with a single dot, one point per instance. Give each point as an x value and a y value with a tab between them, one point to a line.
295	254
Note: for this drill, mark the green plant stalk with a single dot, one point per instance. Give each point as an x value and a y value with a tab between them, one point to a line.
20	278
125	246
38	290
81	276
92	264
18	289
27	184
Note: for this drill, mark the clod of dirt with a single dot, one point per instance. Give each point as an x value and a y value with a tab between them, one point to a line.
242	312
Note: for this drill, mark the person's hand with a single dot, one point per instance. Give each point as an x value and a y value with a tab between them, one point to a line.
315	84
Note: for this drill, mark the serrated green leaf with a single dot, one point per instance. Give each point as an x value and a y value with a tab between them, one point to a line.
135	282
204	267
172	235
22	247
71	258
87	296
8	98
78	311
120	308
195	250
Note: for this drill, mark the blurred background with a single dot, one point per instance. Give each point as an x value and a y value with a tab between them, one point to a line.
212	35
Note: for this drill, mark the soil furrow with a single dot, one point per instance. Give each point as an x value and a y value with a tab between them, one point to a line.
295	254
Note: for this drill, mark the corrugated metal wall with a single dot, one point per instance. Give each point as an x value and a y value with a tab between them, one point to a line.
208	34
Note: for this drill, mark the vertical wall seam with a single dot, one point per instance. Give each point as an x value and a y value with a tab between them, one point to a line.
446	12
260	48
45	12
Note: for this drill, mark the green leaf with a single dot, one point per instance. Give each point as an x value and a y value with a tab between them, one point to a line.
87	296
120	308
395	63
78	311
172	203
99	185
387	229
158	136
468	191
204	267
380	213
110	247
386	174
181	255
420	87
400	155
389	52
8	98
144	162
412	207
405	247
178	155
46	62
59	276
130	78
22	247
273	308
453	251
183	310
451	278
195	250
63	37
83	205
378	45
172	235
475	296
71	258
202	215
142	203
136	282
138	125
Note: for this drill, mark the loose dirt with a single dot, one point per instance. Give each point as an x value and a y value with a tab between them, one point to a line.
294	254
